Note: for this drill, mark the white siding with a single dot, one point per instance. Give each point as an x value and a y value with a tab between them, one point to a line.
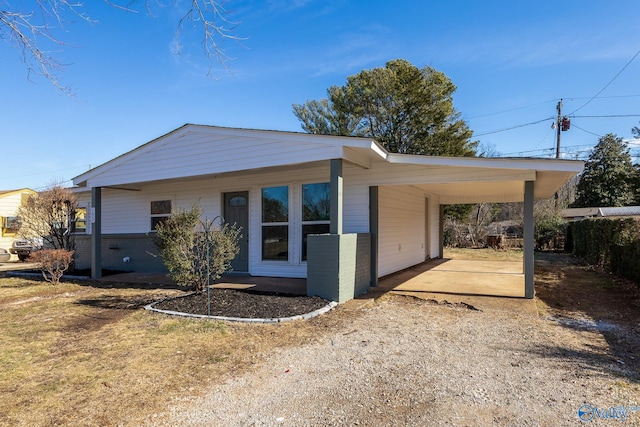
402	210
126	211
9	204
193	155
401	234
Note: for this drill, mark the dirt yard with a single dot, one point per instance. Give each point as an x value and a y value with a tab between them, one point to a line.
79	354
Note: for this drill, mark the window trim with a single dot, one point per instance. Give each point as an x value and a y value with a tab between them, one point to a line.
303	222
286	224
151	217
73	221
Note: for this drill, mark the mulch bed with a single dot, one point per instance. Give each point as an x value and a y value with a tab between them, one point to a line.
244	304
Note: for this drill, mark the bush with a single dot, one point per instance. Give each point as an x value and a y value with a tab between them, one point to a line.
194	251
610	243
52	263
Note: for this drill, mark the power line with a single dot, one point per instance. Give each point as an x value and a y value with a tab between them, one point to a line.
512	109
514	127
609	116
584	130
607	85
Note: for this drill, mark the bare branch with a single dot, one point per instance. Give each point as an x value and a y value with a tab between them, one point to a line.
32	30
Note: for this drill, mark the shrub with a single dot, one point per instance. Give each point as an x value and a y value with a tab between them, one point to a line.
194	251
52	263
609	243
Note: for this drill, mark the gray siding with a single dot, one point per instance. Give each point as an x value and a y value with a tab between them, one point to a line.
139	248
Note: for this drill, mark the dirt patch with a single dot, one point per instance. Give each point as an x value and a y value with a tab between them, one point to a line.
568	288
243	304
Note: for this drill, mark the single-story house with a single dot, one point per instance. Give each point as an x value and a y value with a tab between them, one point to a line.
338	211
10	201
574	214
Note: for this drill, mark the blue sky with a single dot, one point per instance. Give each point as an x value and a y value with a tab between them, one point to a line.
511	61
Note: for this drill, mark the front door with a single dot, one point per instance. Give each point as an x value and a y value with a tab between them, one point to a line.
236	210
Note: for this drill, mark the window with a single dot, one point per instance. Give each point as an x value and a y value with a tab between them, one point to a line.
10	225
275	223
316	208
237	201
160	211
79	220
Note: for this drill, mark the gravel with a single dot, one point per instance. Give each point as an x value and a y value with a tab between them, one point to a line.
410	362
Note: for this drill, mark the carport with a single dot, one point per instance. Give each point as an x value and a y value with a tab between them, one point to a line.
460	277
449	181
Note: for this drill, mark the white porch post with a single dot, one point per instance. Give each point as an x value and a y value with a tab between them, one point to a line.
528	240
96	233
336	197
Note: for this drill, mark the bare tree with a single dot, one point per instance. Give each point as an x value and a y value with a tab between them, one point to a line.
47	216
36	25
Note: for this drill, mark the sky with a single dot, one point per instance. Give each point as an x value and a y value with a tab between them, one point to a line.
511	62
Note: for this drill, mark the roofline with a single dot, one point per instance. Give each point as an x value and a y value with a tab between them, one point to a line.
11	192
519	163
559	165
354	141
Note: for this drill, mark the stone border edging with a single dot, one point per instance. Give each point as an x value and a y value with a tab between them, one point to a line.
305	316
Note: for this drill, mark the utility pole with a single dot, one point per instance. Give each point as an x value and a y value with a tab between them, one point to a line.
558	128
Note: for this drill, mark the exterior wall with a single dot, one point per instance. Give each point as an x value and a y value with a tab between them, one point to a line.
9	204
338	266
127	213
401	234
139	251
403	217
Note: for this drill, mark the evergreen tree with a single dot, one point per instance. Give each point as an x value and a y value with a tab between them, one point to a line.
407	109
609	177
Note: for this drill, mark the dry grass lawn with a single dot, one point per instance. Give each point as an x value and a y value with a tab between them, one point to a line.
76	354
87	354
486	254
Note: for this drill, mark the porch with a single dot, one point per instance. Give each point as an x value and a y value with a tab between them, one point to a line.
448	277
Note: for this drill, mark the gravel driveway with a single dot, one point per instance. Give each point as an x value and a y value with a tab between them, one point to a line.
410	362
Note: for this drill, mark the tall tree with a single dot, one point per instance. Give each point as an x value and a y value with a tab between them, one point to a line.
405	108
608	177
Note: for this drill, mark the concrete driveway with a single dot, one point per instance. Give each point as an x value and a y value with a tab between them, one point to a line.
17	265
479	283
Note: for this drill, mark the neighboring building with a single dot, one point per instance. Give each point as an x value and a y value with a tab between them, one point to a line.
379	212
10	201
581	213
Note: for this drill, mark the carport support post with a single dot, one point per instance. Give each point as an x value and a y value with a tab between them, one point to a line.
528	239
373	232
335	226
96	233
441	232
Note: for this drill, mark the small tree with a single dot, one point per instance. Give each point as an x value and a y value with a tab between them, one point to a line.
47	216
196	251
52	263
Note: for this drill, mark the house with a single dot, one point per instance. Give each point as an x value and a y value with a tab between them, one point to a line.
339	211
10	201
574	214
